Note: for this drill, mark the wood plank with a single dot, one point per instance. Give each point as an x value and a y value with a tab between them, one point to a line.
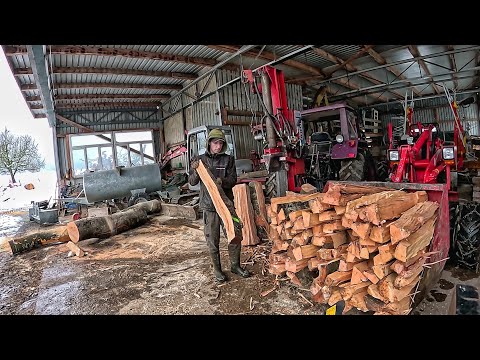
411	220
224	206
408	248
244	209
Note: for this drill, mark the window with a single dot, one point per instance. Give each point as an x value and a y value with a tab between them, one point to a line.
104	151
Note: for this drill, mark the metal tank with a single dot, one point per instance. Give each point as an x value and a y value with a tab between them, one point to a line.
119	182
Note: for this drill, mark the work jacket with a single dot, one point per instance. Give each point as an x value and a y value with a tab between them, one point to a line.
221	166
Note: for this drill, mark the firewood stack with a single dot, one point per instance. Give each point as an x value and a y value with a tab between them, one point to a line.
368	244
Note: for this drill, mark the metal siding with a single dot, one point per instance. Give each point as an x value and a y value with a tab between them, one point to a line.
173	128
468	115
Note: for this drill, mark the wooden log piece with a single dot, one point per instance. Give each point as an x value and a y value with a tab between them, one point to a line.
244	209
105	226
224	206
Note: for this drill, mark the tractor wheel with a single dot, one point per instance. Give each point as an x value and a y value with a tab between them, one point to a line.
138	198
276	184
466	237
354	169
382	170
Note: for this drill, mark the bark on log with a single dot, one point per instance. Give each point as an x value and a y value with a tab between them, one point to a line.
38	239
105	226
224	206
151	206
258	202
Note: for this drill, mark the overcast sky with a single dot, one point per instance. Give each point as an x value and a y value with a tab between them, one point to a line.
16	116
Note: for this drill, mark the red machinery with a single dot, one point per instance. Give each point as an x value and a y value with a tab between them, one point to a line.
426	155
280	129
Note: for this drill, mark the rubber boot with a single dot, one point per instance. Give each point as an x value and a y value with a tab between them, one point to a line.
217	268
234	254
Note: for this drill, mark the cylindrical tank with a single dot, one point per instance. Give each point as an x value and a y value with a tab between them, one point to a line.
118	183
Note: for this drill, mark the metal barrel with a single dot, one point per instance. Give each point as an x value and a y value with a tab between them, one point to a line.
118	183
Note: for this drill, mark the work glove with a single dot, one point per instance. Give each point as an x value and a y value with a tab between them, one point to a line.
218	181
194	164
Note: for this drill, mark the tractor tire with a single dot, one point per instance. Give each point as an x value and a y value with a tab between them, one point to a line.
138	198
466	237
276	184
354	169
382	170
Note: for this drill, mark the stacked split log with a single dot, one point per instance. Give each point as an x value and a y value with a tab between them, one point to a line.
362	244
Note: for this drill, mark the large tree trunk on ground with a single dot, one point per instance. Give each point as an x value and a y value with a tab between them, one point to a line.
224	206
105	226
152	206
31	241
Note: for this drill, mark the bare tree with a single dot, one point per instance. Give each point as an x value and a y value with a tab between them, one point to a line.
18	154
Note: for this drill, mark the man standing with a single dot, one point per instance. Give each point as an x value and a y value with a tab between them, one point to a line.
223	169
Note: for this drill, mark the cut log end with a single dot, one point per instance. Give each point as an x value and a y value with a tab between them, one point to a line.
73	232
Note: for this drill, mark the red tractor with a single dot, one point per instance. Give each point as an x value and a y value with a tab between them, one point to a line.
424	156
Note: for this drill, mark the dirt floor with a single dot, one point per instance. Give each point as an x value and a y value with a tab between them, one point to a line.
162	267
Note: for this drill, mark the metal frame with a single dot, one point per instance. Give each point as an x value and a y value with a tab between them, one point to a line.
114	143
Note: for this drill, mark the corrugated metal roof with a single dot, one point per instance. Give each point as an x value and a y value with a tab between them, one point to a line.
342	51
389	52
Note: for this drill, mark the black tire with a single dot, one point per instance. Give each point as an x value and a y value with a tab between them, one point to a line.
466	236
138	198
276	184
354	169
382	170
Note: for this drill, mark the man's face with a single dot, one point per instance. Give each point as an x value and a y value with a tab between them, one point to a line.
216	146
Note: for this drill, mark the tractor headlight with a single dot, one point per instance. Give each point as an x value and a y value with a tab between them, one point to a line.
448	153
393	155
339	138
